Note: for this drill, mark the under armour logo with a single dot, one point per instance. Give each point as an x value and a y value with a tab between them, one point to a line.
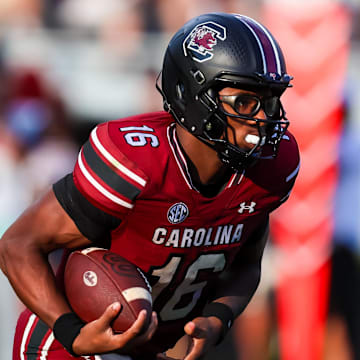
250	208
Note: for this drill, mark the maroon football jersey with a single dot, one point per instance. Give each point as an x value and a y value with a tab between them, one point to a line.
135	169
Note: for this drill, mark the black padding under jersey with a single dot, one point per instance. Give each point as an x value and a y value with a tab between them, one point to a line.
92	222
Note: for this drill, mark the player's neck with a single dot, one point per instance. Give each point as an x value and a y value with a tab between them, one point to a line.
205	159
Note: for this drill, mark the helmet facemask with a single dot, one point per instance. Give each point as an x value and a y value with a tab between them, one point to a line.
216	127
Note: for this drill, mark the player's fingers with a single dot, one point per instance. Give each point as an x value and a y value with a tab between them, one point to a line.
194	330
152	327
148	334
133	331
196	352
109	315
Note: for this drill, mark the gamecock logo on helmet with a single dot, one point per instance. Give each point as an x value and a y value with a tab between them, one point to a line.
202	40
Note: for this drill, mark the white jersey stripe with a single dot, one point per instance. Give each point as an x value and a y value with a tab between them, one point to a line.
46	347
177	161
183	159
99	187
231	181
294	173
241	177
29	324
115	162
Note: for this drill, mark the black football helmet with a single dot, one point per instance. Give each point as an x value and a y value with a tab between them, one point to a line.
219	50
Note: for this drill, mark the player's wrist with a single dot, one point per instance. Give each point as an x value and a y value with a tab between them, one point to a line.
223	313
66	328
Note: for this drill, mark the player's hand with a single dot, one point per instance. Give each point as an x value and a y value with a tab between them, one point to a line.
97	337
204	332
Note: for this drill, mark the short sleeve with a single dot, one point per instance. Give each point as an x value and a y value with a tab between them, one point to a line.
91	221
105	176
102	189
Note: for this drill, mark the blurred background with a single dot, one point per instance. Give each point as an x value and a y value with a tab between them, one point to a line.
66	65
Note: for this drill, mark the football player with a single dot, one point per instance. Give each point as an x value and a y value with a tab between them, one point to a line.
184	194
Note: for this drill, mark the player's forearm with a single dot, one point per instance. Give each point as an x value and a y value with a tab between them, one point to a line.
24	250
232	299
239	288
32	279
239	283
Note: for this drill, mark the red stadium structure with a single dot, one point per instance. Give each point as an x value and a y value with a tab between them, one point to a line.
315	40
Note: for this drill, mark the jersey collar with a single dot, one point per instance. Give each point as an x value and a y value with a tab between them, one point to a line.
183	163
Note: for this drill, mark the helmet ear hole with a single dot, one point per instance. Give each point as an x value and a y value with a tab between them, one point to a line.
214	128
180	92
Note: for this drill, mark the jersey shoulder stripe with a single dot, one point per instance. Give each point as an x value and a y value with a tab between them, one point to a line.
105	176
94	189
112	155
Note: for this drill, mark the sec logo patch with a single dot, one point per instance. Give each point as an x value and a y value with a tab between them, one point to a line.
177	213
